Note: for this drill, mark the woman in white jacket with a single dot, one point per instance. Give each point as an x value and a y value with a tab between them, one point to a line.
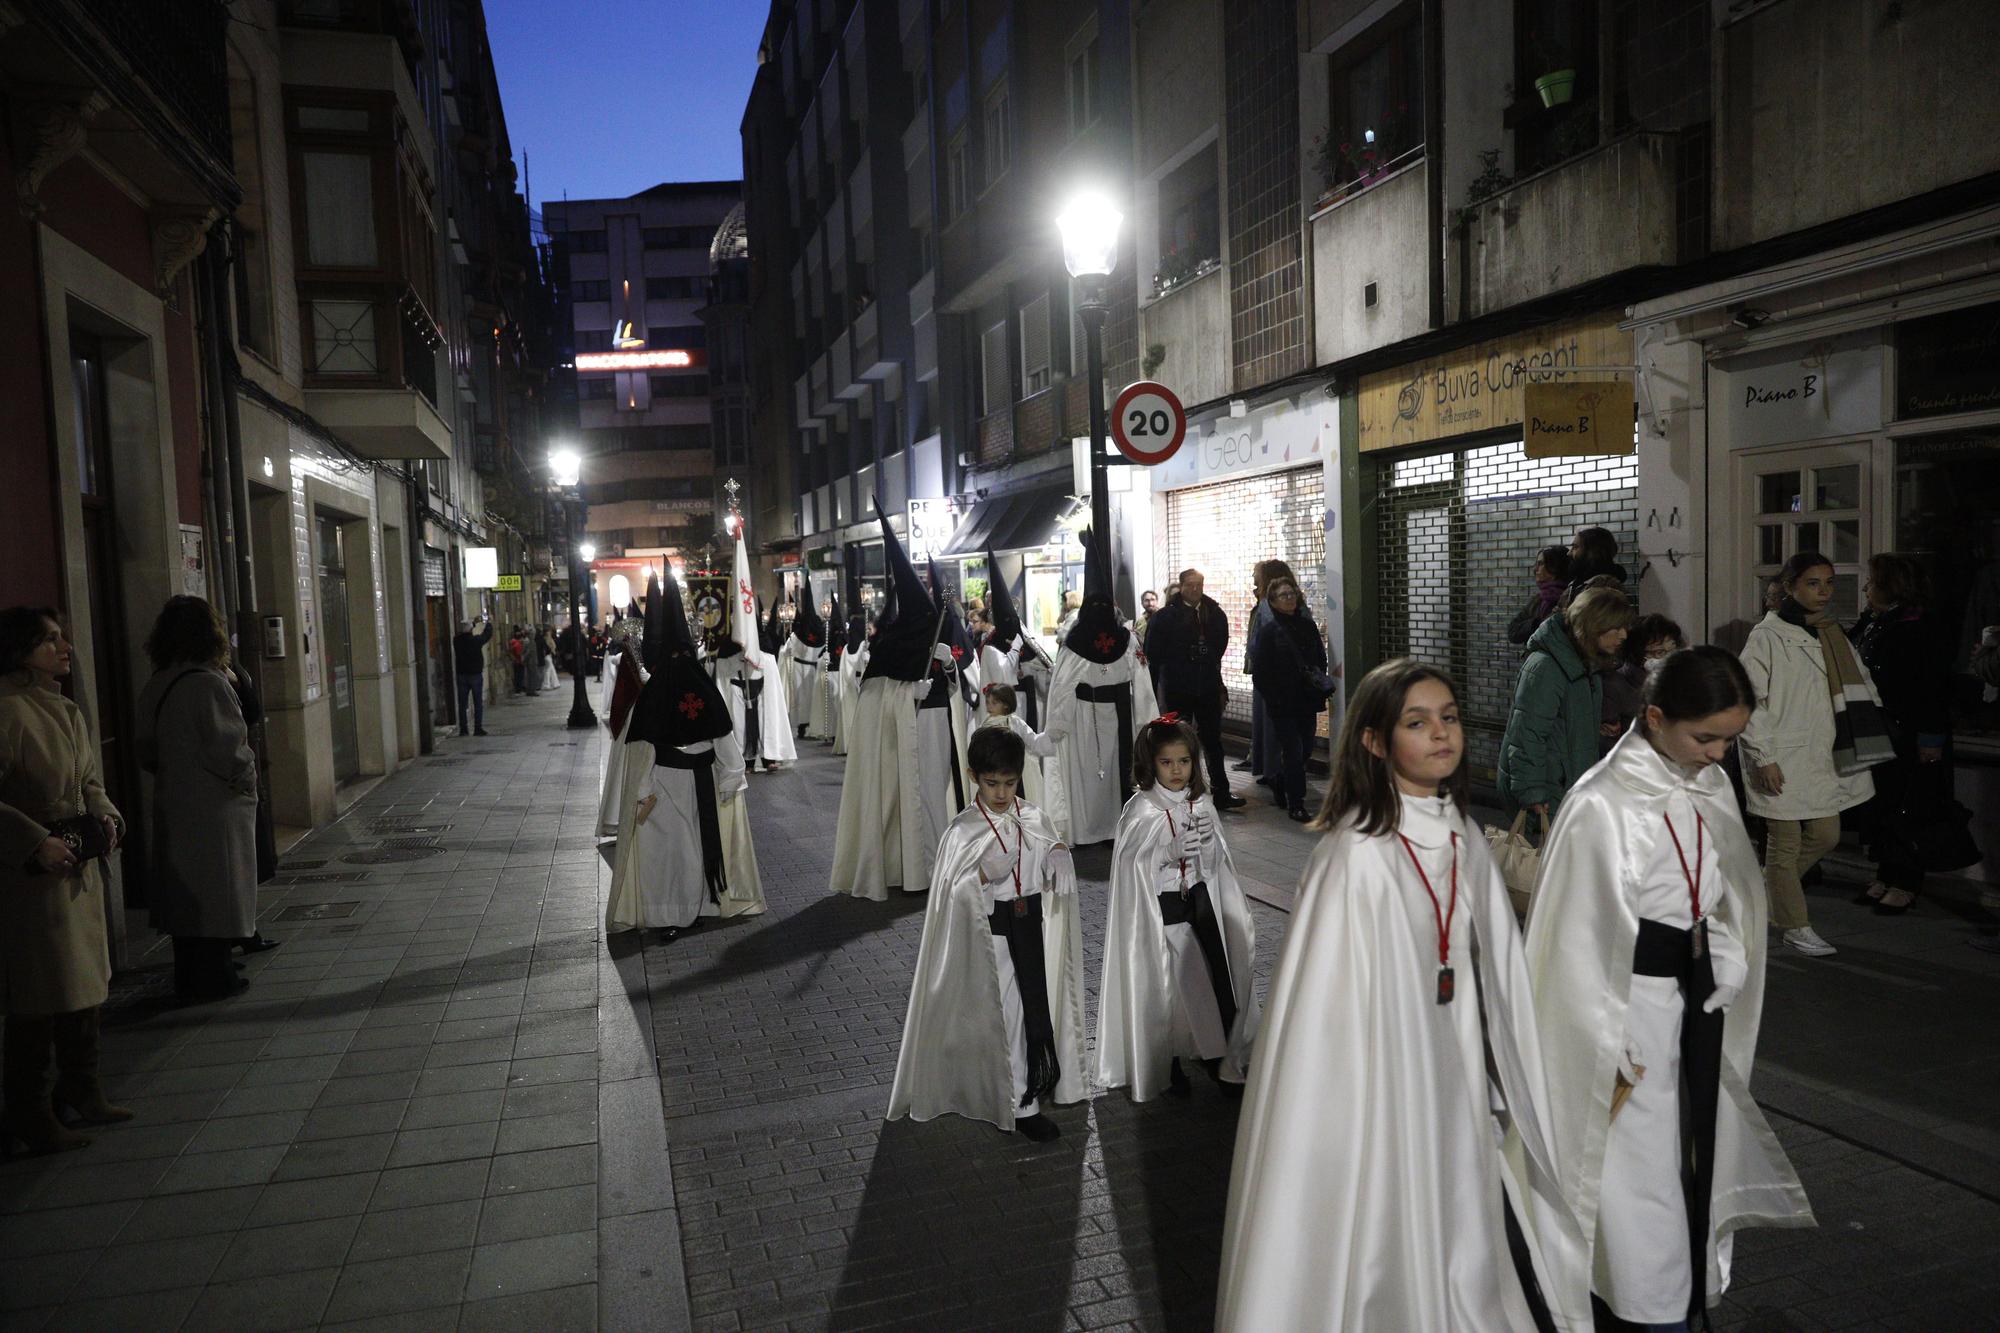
1791	772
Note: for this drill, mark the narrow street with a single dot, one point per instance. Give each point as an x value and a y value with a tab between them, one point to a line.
443	1103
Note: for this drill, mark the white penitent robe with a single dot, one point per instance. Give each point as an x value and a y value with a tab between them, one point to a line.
878	840
824	711
1157	1000
961	1051
852	663
943	786
657	879
1608	862
610	795
775	742
1086	790
803	669
1375	1155
1039	747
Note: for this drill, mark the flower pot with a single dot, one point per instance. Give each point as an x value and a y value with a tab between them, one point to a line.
1556	87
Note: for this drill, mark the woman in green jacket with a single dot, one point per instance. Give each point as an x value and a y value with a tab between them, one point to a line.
1551	738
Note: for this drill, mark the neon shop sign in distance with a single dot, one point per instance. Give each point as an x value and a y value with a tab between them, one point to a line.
674	358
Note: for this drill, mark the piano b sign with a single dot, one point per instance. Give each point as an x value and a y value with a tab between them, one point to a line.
1577	418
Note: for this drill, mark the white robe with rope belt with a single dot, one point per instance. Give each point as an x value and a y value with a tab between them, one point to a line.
1375	1150
803	670
1084	782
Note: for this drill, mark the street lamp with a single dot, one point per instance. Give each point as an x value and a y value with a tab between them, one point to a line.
1089	227
566	470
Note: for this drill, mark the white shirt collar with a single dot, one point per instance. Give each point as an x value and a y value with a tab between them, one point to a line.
1427	821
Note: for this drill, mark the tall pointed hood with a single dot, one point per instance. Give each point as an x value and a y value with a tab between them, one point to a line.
836	626
771	634
903	638
1000	606
807	627
653	647
679	704
1097	636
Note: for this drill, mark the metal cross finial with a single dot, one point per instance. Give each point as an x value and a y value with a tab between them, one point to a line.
730	488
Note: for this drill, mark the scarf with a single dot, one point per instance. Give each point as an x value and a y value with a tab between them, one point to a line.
1860	731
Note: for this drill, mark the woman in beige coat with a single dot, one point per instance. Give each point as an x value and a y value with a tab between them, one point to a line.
55	959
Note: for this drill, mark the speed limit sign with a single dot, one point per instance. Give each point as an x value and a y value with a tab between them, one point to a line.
1148	423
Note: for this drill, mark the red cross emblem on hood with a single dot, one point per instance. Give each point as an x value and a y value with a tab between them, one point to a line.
691	704
1105	643
956	652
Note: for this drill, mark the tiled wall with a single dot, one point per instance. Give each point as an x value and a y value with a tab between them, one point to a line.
1266	270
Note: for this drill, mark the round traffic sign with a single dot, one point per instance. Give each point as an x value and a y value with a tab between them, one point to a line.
1148	423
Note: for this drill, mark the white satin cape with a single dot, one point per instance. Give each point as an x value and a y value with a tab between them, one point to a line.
1135	1001
852	664
878	840
801	676
954	1057
1332	1220
1579	954
1085	807
656	877
774	738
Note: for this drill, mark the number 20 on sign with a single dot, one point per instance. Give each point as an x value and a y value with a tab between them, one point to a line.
1148	423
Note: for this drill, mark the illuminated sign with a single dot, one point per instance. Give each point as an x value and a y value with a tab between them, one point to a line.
673	358
482	566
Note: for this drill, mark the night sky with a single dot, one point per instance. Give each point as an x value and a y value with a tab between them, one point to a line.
608	97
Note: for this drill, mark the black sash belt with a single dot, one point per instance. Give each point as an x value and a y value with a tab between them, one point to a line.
1662	950
753	721
1196	909
938	696
1023	933
1120	695
713	872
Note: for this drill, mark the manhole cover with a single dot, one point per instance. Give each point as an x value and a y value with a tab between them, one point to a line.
323	877
292	867
376	856
317	911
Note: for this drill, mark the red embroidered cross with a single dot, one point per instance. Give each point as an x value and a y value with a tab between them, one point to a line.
748	602
956	652
1105	643
691	704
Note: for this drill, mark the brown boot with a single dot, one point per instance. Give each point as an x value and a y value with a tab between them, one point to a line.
29	1117
77	1086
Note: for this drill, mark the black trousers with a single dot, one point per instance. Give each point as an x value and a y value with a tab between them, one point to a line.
1204	710
1287	739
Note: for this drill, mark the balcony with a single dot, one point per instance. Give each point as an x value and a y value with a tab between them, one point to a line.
861	190
1605	212
1192	323
923	327
364	62
1038	422
382	422
1369	266
869	361
917	139
995	444
822	405
371	369
840	369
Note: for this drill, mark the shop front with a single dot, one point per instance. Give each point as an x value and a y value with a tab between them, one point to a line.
1452	508
1035	534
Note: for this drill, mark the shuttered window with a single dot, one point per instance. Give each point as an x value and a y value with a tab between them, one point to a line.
996	381
1035	344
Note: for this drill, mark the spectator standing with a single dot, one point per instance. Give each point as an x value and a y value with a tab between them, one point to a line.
1650	640
468	651
1292	682
1551	737
1261	763
1593	553
1792	776
1551	577
517	649
55	959
1072	604
1149	604
1908	654
193	740
1184	646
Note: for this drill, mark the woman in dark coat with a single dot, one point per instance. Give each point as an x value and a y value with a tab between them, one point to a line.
1650	640
1290	676
1908	652
193	740
1263	760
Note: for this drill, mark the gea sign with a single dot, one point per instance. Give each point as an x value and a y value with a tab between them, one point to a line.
1588	418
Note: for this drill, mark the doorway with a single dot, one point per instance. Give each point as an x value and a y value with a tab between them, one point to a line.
335	658
1794	500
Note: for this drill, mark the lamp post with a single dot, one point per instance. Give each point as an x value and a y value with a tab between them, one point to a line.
566	468
1089	227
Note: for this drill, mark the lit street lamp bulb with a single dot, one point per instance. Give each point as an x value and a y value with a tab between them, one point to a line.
1089	227
588	552
566	466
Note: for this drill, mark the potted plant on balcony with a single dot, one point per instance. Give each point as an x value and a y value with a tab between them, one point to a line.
1558	85
1177	267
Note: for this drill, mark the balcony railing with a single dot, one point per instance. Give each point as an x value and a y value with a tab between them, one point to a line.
177	51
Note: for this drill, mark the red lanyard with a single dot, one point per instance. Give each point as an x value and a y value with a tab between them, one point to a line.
1173	833
1442	916
1002	841
1694	880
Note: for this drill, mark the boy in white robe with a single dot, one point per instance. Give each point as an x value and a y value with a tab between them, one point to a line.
994	1029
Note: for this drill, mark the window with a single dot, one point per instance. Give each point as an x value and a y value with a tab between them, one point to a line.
594	390
1083	84
1552	35
343	334
593	340
996	376
1377	102
252	281
668	289
1035	343
680	386
677	238
1190	221
685	336
593	289
340	209
997	143
685	437
957	183
586	242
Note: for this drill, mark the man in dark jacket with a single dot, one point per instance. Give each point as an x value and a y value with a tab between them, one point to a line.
1593	553
1184	644
468	652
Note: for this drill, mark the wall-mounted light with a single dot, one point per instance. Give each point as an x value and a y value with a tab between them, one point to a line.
269	471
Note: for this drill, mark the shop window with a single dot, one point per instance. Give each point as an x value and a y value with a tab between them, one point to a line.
590	289
999	149
340	209
1554	118
996	379
1035	344
680	386
593	340
1084	89
594	390
1376	103
1190	222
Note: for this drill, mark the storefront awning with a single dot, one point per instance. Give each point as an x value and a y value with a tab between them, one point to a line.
1023	520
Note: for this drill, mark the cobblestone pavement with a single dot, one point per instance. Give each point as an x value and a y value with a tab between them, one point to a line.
455	1106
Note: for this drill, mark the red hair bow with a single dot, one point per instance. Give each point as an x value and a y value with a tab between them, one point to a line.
1166	720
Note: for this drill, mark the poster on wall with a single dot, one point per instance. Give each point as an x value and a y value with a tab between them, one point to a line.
194	572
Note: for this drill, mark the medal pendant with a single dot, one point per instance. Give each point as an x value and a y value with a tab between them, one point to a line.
1446	986
1020	907
1698	939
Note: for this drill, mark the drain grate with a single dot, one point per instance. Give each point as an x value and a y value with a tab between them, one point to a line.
323	877
289	867
386	855
405	826
418	840
317	911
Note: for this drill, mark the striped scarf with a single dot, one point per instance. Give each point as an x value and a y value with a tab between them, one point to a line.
1860	731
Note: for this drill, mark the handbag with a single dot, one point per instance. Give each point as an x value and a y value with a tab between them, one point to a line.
1943	837
1519	860
82	834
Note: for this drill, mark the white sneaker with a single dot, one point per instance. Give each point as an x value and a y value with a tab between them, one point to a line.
1806	940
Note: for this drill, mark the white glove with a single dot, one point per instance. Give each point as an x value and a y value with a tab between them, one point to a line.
942	653
1205	826
1190	841
1720	998
1629	1067
996	863
1058	869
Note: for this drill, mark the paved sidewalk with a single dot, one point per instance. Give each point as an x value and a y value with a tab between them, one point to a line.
452	1105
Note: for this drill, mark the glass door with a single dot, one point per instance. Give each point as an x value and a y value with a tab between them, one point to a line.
333	637
1807	500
